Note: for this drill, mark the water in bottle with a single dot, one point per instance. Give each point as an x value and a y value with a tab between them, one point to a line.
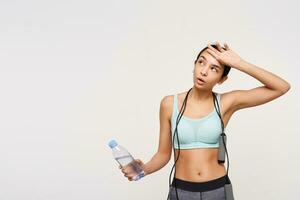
124	158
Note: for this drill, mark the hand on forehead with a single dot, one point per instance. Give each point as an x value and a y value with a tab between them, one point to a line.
209	58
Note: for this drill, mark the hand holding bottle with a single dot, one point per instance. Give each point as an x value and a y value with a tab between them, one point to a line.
133	168
129	170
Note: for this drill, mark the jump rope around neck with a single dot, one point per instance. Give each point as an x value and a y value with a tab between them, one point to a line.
222	148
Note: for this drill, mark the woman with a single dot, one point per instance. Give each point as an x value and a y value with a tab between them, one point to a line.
198	173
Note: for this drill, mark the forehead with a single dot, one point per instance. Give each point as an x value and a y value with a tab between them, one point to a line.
207	56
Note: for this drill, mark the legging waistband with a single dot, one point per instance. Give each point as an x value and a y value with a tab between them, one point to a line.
200	186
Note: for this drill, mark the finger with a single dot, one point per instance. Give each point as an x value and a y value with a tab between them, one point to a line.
220	48
226	46
129	177
213	53
139	161
212	49
126	171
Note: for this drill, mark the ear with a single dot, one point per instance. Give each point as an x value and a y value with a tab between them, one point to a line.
222	80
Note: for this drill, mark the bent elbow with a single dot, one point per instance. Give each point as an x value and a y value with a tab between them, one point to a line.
286	89
165	156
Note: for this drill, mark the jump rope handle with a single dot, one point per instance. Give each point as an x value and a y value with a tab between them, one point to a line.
222	137
222	143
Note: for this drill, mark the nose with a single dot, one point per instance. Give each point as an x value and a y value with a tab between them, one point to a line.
204	71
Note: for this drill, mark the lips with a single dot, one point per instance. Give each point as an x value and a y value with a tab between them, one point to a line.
201	79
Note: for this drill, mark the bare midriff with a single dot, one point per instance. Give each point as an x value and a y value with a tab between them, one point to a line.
199	165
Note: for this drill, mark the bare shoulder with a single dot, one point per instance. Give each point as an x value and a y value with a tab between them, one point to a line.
166	105
227	102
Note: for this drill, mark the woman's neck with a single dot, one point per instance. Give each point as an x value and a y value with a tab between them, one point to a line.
200	95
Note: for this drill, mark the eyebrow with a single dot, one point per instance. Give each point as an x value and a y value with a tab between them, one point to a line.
213	65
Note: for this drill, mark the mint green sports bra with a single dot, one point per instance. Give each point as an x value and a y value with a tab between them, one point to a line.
203	132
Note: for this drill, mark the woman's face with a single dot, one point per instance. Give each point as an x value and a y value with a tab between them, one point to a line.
209	70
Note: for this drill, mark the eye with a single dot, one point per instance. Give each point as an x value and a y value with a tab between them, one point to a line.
200	61
215	69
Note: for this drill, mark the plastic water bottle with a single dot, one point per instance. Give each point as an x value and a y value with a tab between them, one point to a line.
124	158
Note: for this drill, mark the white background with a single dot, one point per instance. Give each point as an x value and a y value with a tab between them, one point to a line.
75	74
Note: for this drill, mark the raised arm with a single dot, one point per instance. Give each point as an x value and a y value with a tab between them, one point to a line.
273	87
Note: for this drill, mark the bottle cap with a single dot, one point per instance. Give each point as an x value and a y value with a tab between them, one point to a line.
112	143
